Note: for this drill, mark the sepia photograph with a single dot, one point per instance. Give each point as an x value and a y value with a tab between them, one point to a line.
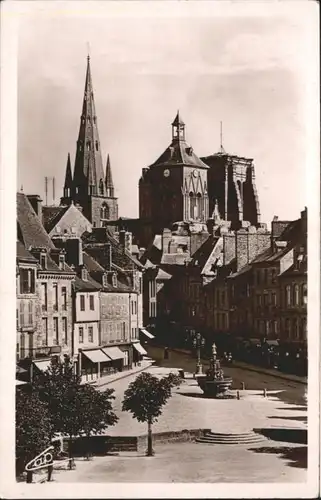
165	213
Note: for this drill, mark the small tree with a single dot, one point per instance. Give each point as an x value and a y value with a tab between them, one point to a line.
145	398
76	409
96	412
33	428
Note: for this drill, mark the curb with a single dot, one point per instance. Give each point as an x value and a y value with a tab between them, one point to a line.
126	374
252	368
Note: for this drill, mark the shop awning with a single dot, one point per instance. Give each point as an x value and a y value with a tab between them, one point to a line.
96	355
113	352
272	342
20	382
20	370
42	364
145	332
139	348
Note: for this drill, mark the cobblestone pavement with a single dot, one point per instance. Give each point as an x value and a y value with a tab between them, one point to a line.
195	462
292	392
269	461
187	409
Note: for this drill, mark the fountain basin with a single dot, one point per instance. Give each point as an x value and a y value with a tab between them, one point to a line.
214	388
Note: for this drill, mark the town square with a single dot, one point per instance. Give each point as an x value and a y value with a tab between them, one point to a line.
161	267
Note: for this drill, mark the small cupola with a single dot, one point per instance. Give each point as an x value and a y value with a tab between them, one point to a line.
178	128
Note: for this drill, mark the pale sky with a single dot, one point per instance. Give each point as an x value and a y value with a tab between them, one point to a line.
247	71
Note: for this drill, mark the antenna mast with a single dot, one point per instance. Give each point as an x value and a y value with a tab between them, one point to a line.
53	190
46	190
222	150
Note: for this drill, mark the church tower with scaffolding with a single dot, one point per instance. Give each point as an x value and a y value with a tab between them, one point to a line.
89	187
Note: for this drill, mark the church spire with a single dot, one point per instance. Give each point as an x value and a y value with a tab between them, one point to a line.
88	172
67	194
109	180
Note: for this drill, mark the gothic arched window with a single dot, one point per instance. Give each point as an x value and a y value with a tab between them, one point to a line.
192	205
101	187
104	211
96	145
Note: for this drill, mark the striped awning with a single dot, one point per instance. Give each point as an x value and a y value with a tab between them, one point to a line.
139	348
96	355
145	332
113	352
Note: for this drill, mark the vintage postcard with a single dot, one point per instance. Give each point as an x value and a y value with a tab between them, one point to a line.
160	241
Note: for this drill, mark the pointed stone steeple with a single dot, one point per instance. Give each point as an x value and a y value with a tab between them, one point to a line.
89	188
109	180
67	194
88	172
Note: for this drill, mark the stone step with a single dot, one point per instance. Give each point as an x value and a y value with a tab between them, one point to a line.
233	435
224	441
220	438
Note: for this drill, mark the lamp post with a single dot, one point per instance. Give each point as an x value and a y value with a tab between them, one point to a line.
198	342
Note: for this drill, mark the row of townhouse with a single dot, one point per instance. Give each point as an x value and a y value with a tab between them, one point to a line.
79	294
250	283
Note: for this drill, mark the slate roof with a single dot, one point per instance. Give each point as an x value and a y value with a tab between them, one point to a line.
52	215
203	253
97	271
293	233
88	285
243	270
23	254
95	243
179	153
30	229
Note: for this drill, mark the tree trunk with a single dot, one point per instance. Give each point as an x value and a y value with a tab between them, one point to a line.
150	451
29	476
70	452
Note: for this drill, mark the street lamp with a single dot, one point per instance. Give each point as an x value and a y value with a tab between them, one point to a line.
198	342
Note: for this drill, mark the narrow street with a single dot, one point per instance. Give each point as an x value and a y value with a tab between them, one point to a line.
292	392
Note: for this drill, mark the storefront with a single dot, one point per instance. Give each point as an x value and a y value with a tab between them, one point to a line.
138	353
93	364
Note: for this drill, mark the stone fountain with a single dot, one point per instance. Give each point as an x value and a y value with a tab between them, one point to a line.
214	384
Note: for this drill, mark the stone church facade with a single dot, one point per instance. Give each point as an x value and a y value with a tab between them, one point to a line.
181	187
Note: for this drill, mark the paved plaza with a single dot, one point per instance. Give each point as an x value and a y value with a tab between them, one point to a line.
267	461
193	463
187	409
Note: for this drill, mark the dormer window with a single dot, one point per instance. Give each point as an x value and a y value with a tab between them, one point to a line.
114	280
84	274
43	260
61	261
94	120
105	281
189	151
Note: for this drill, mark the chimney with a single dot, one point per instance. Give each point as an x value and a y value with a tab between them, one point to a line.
36	203
241	248
166	238
229	247
250	244
108	256
197	240
74	250
125	240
